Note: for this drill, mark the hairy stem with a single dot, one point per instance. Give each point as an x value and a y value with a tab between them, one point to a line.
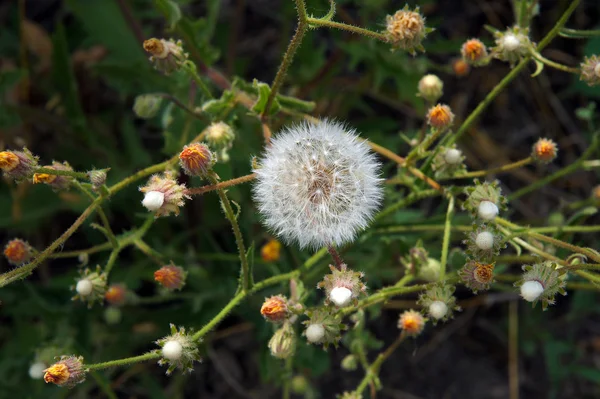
56	172
221	185
348	28
446	240
500	169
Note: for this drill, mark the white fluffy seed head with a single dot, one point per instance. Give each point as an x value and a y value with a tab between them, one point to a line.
438	309
340	296
317	184
315	333
172	350
84	287
487	210
36	370
531	290
452	156
153	200
484	240
511	42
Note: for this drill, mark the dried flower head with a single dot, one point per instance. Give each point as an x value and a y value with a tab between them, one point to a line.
512	45
342	286
146	106
484	243
270	252
406	30
166	55
440	117
317	184
544	150
57	182
323	327
171	277
220	136
116	294
411	323
431	88
91	286
18	165
196	159
485	200
439	302
477	276
590	70
448	162
460	67
163	195
283	342
18	252
67	372
275	309
474	52
541	282
178	350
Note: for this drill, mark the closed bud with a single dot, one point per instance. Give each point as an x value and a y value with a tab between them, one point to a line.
18	165
68	372
275	309
474	52
299	384
590	70
171	277
512	45
440	117
406	30
167	56
163	195
411	323
544	150
431	88
350	363
220	136
196	159
178	350
18	252
146	106
283	342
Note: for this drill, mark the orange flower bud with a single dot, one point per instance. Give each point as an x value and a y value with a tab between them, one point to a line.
411	323
275	308
440	116
171	277
43	178
270	251
196	159
474	52
8	161
17	252
544	150
67	372
460	67
115	295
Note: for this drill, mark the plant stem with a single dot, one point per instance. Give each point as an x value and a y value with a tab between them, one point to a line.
558	26
288	56
446	240
140	174
56	172
111	260
107	229
504	168
123	362
181	105
373	371
349	28
221	185
554	64
147	250
246	282
578	34
337	259
190	68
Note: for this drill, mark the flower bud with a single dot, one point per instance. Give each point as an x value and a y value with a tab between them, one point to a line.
275	309
220	136
18	252
167	56
485	200
439	302
147	106
544	151
283	343
163	195
448	162
512	45
474	52
178	350
171	277
477	276
97	178
440	117
116	294
431	88
270	252
460	67
411	323
36	370
18	165
350	363
342	286
91	287
196	159
323	327
541	282
55	181
590	70
406	30
484	243
67	372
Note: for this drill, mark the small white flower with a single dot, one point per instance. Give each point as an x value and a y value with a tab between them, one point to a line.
153	200
452	156
531	290
484	240
487	210
438	309
172	350
340	296
36	370
317	184
84	287
511	42
315	333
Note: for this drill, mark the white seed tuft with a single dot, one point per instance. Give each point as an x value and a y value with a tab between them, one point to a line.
84	287
487	210
484	240
340	296
531	290
36	370
511	42
452	156
153	200
172	350
315	333
317	184
438	309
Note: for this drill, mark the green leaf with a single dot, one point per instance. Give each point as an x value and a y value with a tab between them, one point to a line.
171	11
264	91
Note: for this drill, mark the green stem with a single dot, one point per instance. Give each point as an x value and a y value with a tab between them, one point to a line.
141	174
346	27
190	68
422	148
558	26
504	168
123	362
147	250
111	260
288	56
554	64
446	240
246	277
578	34
373	371
56	172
